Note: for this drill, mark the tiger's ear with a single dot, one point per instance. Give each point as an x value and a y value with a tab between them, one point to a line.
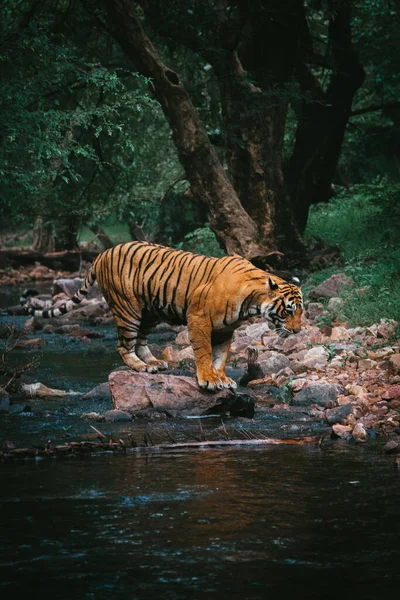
272	284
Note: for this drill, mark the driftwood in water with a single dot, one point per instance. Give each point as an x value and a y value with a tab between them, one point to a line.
84	447
68	260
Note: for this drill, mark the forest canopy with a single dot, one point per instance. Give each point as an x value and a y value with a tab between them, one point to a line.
173	116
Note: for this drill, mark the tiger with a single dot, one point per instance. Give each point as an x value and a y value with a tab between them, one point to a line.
145	283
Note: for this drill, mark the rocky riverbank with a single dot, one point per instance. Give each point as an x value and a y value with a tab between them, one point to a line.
332	381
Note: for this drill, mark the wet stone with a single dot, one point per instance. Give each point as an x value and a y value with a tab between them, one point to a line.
117	415
324	394
338	414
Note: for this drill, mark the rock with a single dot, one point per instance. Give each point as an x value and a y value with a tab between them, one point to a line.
182	339
67	328
174	394
4	401
359	433
335	304
314	310
99	393
392	392
48	328
295	343
315	357
386	328
68	287
339	333
366	363
256	331
342	431
392	447
394	364
338	414
92	416
117	415
32	344
299	384
274	363
242	342
174	356
326	329
324	394
331	287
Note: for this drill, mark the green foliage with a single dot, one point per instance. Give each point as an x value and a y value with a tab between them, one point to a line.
79	129
365	222
371	144
202	241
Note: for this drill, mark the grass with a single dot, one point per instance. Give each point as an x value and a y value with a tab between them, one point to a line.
365	222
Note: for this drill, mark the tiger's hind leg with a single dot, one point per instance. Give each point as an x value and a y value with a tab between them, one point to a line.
128	333
142	349
221	343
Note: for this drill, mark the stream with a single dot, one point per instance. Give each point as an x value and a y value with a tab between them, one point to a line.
249	523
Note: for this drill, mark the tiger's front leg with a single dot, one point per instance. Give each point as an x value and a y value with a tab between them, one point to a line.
199	329
221	343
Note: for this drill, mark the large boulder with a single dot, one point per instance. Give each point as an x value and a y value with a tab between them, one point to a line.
175	395
331	287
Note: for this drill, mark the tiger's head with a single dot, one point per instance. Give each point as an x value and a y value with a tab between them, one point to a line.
285	306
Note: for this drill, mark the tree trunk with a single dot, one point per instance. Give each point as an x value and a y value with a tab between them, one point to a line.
104	239
323	120
235	229
43	238
66	237
254	77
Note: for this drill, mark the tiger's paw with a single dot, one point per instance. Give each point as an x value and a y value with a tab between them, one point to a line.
215	382
158	365
227	382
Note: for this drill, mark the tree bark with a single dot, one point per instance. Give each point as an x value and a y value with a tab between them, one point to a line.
255	75
235	229
323	120
43	238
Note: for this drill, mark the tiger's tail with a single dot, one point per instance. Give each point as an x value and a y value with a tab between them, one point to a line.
50	313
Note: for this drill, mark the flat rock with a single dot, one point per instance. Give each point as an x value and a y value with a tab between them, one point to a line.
324	394
176	395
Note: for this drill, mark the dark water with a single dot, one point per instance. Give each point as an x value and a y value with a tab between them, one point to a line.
279	522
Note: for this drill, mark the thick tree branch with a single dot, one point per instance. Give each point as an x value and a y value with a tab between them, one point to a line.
234	228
